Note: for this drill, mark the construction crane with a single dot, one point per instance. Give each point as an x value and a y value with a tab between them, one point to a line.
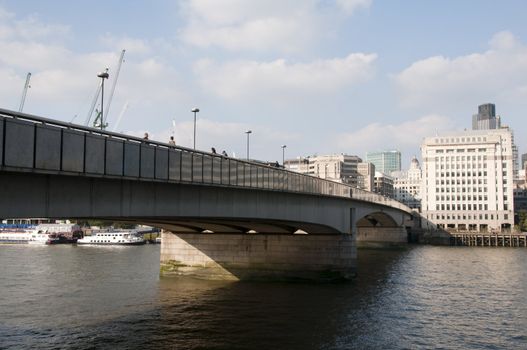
24	92
123	110
94	102
112	90
100	118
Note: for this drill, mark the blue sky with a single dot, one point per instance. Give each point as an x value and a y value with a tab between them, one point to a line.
320	76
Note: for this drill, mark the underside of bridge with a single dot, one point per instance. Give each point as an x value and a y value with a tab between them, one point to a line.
379	229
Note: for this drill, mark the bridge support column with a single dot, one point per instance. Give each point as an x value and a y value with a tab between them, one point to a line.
379	237
259	256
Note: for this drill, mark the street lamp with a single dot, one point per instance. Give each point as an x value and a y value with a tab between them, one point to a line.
102	75
283	155
195	110
248	132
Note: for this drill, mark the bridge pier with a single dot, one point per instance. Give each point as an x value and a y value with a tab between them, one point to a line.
259	256
380	237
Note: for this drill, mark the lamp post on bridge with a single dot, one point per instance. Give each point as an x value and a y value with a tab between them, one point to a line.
248	132
102	75
195	110
283	155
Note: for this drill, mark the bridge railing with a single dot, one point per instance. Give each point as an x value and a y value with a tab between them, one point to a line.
31	143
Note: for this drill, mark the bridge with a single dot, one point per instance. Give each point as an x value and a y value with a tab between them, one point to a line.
222	217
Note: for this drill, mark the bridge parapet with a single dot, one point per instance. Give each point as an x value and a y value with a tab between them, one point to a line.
30	143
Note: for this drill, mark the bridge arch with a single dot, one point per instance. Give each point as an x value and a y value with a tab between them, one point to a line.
377	219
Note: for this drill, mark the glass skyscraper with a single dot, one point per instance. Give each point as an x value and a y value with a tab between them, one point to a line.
385	161
486	118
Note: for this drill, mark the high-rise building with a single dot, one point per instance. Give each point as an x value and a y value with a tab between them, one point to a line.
486	118
386	161
523	165
407	185
468	180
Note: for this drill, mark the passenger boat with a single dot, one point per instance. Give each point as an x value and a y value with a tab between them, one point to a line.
113	238
26	237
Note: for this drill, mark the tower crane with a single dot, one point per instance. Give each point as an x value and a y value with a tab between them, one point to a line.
94	102
123	110
24	92
112	90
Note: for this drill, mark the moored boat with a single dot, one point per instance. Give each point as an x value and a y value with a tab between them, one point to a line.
113	238
26	237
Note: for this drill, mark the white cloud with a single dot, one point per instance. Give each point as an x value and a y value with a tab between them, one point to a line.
281	80
282	25
131	45
349	6
438	83
406	137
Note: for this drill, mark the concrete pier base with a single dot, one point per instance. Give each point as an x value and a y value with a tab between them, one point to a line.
381	237
259	256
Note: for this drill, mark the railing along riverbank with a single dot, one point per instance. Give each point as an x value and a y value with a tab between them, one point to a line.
42	145
488	240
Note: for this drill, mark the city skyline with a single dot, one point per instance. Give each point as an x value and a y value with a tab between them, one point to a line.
321	77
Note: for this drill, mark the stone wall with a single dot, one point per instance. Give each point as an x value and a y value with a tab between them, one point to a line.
259	256
381	236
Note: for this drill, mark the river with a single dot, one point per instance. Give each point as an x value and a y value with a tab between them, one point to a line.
423	297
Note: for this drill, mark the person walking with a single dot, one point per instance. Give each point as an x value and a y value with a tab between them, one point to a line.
172	142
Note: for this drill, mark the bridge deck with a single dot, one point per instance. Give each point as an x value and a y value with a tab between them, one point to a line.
34	144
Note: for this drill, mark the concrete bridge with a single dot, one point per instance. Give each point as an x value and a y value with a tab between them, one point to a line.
223	217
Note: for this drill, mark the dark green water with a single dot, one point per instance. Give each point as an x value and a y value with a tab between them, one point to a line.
419	298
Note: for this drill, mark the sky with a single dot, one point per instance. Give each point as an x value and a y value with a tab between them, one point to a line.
319	76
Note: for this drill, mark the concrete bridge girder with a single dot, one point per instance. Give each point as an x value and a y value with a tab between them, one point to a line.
192	206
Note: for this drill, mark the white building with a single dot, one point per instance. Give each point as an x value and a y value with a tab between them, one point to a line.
335	167
299	164
468	180
407	185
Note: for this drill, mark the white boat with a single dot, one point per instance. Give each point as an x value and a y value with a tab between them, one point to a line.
26	237
113	238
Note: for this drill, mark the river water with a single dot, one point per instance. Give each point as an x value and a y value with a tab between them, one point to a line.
56	297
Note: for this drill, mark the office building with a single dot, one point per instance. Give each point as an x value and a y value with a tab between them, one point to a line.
468	180
407	185
299	164
335	167
365	176
486	118
383	184
386	161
